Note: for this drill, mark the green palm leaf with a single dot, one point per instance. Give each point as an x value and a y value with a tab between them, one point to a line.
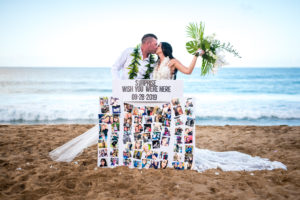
196	31
192	31
192	46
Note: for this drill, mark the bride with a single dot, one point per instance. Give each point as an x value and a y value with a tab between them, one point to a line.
166	69
167	66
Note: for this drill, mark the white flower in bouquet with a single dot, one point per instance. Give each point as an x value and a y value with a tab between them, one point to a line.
211	54
220	59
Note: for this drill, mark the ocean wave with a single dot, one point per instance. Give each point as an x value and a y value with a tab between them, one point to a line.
65	90
55	121
46	115
88	115
53	83
93	90
261	121
223	97
270	118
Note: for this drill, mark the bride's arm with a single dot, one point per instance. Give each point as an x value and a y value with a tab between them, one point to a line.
186	70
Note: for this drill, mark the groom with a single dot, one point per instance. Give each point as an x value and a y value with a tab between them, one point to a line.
138	62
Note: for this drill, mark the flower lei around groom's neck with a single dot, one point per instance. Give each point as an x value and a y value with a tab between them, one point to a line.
133	72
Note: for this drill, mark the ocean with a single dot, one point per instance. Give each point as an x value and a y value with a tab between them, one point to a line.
232	96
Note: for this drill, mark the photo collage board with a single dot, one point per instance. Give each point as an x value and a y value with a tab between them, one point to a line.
146	135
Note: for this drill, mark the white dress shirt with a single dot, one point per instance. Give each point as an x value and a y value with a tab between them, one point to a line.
123	63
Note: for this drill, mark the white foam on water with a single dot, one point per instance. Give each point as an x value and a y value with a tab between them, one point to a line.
246	106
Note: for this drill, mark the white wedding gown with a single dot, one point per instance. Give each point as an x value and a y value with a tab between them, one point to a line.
204	159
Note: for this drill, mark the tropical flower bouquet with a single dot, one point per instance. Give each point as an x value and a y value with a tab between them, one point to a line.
212	58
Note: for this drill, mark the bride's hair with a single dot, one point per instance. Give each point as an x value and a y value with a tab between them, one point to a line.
167	51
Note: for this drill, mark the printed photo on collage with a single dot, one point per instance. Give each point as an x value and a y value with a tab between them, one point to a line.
103	101
114	162
105	118
103	162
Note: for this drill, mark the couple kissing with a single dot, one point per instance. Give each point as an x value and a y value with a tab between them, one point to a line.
140	62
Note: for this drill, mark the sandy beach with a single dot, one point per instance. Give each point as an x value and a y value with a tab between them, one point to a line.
27	172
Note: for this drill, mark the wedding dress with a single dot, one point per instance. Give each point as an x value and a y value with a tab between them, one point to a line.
204	159
162	72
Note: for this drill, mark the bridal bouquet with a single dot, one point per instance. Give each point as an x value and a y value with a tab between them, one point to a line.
212	58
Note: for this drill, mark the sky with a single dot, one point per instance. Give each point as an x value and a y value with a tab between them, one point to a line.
90	33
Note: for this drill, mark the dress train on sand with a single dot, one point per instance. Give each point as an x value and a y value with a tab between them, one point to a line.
73	148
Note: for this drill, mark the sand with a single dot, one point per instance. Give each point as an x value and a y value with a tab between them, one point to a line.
27	172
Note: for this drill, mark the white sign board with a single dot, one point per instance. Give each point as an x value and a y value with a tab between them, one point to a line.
147	90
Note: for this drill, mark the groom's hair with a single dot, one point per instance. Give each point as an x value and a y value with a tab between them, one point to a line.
147	36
